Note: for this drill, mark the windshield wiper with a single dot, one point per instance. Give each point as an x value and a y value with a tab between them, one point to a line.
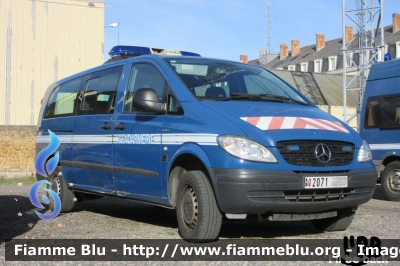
261	97
245	96
284	98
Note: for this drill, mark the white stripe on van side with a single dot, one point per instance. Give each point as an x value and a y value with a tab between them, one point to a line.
386	146
93	139
201	139
167	139
62	138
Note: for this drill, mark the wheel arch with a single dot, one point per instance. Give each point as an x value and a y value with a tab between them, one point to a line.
388	160
190	157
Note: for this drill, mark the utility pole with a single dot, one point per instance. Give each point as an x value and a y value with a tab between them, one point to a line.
268	27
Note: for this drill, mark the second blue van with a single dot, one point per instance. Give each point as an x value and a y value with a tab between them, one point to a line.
380	123
206	137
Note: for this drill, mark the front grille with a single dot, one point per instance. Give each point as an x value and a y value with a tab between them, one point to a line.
317	195
303	152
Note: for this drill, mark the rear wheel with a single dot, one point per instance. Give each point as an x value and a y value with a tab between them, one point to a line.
339	223
391	181
60	187
198	215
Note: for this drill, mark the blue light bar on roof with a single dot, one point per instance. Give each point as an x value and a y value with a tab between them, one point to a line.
189	54
131	51
128	51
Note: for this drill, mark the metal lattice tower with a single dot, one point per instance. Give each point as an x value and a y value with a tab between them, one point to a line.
364	50
268	27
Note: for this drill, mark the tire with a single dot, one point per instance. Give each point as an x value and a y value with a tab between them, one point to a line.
390	181
339	223
198	215
60	187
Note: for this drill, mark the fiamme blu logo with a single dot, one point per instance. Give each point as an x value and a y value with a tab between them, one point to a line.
45	163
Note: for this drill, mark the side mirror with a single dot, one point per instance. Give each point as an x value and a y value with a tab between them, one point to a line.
146	100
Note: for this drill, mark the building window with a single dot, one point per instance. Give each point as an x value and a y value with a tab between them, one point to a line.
349	59
332	62
304	67
397	49
317	65
291	67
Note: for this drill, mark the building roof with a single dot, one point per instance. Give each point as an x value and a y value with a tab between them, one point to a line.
332	48
322	89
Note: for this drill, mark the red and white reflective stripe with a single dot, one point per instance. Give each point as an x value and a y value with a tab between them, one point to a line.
289	122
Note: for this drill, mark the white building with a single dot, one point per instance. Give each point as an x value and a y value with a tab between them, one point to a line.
40	43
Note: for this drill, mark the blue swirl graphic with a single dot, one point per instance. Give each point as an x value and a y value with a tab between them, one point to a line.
35	201
44	169
46	153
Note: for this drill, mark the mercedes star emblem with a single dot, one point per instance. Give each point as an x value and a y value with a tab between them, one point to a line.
322	153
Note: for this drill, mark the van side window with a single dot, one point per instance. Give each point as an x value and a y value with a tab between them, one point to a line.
372	113
391	111
144	76
99	94
89	97
62	100
383	112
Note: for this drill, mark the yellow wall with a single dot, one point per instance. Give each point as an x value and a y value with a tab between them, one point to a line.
18	154
337	111
40	43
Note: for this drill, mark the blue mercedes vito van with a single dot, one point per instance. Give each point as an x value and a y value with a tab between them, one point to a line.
207	137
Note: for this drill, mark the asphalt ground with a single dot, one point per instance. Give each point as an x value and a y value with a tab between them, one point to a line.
112	218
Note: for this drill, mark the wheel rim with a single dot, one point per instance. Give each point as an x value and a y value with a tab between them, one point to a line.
56	187
189	207
394	180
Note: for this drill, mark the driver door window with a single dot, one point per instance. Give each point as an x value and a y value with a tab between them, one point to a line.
144	76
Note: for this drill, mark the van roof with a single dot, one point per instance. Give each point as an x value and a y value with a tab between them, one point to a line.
121	52
384	70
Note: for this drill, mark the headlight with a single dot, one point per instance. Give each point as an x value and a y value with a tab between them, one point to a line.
364	154
246	149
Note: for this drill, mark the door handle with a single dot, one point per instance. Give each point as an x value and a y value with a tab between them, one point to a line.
106	126
120	126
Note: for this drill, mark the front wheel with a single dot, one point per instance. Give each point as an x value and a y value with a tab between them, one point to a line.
67	198
391	181
339	223
198	215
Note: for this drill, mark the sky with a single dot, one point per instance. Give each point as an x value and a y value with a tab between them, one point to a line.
226	29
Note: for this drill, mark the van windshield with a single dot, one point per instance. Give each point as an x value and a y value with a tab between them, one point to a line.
209	79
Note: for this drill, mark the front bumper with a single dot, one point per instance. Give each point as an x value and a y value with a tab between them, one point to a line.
243	191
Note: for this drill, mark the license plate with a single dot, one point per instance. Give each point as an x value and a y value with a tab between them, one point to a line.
325	182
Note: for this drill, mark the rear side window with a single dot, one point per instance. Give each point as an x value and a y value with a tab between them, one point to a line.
100	91
62	100
383	112
89	96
